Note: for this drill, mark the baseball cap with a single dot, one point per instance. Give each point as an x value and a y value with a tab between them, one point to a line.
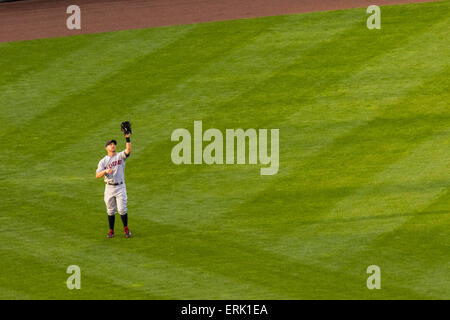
110	141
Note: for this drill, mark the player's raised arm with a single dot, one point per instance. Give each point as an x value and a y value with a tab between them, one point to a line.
126	129
128	147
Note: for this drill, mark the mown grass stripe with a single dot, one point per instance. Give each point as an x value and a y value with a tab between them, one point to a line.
125	266
65	77
424	254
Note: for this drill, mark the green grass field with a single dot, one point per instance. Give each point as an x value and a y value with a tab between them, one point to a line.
364	177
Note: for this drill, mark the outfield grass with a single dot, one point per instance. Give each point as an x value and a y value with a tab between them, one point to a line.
364	173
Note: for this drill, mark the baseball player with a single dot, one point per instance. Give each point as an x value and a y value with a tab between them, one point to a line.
112	168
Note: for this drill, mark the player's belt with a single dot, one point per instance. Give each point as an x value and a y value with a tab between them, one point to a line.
114	184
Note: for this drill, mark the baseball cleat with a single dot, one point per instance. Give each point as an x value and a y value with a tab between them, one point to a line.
110	234
127	232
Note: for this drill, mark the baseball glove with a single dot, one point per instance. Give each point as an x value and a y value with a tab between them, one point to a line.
126	127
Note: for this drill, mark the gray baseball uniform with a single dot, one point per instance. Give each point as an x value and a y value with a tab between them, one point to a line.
115	190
